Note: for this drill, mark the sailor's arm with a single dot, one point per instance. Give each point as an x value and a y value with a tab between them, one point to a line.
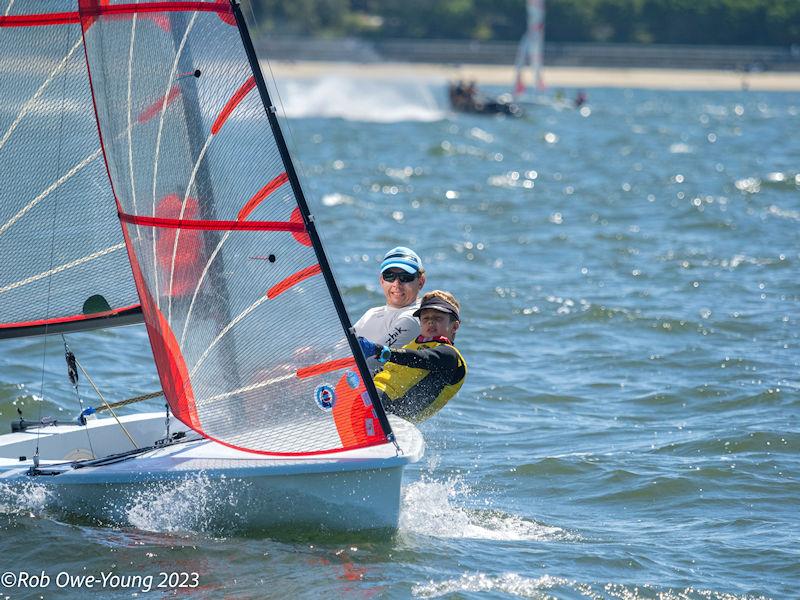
439	358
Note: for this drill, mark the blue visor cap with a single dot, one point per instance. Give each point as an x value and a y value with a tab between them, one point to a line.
401	258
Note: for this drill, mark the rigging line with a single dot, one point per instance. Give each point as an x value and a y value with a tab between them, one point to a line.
130	123
225	330
133	400
53	248
38	93
53	186
64	267
107	406
178	232
172	74
73	378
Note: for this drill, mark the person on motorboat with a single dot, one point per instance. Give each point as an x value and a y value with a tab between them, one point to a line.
467	98
402	276
458	97
418	379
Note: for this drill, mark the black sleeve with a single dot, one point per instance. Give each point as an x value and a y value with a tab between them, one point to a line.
439	358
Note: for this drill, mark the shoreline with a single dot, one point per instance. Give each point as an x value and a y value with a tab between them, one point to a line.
576	77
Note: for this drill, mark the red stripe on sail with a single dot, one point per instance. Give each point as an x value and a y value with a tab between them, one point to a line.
326	367
155	108
262	193
237	97
211	225
292	280
72	318
156	7
63	18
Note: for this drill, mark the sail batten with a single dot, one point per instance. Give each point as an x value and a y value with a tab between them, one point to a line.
255	354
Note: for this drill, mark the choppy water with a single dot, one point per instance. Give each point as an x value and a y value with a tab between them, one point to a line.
631	424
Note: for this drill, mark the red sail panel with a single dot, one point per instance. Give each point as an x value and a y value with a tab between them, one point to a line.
250	353
64	265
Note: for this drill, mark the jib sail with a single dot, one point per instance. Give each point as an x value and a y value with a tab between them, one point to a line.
63	264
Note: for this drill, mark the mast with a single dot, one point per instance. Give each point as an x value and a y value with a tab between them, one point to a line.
196	138
308	220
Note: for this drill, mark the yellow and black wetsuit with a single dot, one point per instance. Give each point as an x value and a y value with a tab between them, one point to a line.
421	377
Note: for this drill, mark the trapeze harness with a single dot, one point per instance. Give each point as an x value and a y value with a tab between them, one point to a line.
421	377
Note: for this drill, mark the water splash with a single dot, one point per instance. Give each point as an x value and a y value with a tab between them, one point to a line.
356	99
433	508
197	504
25	498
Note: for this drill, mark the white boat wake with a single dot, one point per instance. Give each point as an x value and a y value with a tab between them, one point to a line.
376	101
436	508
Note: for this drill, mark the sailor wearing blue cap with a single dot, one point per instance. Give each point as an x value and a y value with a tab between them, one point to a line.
402	276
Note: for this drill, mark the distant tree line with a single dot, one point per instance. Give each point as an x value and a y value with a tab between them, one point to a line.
741	22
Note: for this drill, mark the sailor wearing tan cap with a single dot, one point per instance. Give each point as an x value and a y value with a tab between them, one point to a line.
418	379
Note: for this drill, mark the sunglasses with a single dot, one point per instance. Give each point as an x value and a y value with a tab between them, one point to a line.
390	276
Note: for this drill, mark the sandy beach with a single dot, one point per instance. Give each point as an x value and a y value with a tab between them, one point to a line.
666	79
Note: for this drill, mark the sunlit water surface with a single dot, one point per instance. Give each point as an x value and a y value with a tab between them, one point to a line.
630	427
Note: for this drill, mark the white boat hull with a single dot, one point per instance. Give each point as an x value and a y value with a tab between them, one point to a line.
352	490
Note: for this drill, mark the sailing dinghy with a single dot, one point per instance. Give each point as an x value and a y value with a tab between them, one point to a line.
530	52
128	196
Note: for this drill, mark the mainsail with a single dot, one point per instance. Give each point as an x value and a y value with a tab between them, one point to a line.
63	264
531	48
248	331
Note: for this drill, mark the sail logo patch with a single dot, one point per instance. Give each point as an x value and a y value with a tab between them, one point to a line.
325	397
352	379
